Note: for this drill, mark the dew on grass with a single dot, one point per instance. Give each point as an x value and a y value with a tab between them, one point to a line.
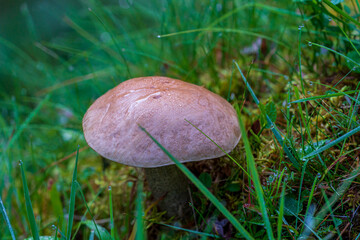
158	36
105	37
309	92
272	126
310	44
354	68
285	168
330	19
109	188
288	105
301	26
318	175
53	227
311	83
20	163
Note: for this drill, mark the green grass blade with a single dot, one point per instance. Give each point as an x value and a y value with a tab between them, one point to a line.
26	123
336	141
3	212
327	96
112	226
88	209
92	235
305	224
255	177
332	50
311	195
190	231
331	212
273	128
338	194
204	190
29	209
281	212
341	12
140	233
72	198
226	30
232	159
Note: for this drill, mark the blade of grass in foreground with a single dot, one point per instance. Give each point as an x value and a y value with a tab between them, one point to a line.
340	191
112	227
341	12
88	209
273	126
227	154
332	50
26	123
190	231
140	235
336	141
72	198
347	93
281	211
255	176
204	190
3	212
29	209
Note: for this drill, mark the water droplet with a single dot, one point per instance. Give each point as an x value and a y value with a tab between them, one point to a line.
109	188
301	26
303	159
288	105
318	175
71	68
272	126
90	9
158	36
285	168
20	162
310	44
311	83
105	37
53	227
354	68
347	60
309	92
286	77
330	19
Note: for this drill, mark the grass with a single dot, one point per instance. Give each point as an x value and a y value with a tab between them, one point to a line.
290	70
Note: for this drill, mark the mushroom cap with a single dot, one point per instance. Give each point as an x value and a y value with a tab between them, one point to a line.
161	105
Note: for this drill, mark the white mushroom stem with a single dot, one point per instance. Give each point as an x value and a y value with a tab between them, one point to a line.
169	183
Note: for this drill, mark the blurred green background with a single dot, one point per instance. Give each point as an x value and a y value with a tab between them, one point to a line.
57	57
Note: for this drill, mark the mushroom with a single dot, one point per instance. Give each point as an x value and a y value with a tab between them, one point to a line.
164	107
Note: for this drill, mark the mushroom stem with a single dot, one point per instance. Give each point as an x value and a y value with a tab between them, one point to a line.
171	184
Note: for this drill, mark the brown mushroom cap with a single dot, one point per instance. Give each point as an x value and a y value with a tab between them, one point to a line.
160	105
